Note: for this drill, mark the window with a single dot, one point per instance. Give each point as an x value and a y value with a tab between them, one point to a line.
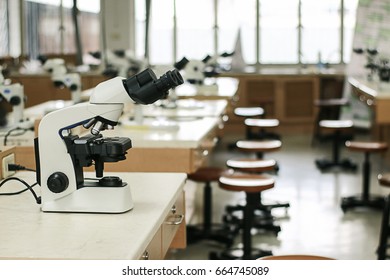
235	15
161	32
321	31
4	38
272	32
195	27
50	29
278	31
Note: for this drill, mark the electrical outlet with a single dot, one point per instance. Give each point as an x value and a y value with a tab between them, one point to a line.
9	159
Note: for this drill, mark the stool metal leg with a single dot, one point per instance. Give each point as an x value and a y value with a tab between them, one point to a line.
207	209
385	231
336	148
251	201
365	199
366	176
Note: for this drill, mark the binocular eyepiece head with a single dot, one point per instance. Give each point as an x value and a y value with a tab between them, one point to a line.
146	88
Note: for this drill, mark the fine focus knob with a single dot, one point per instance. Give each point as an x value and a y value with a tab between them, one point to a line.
57	182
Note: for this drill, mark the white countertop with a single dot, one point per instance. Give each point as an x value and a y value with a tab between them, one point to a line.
170	128
28	233
189	133
187	108
378	90
221	87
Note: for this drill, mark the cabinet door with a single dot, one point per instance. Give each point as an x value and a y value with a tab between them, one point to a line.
299	96
153	250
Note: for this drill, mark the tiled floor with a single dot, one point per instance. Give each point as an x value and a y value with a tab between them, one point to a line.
315	223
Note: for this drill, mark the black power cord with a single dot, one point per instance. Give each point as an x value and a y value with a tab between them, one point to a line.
15	167
18	167
9	133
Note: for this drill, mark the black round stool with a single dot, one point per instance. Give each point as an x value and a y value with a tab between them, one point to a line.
259	147
384	244
328	109
262	126
207	230
337	126
252	185
263	219
246	112
365	199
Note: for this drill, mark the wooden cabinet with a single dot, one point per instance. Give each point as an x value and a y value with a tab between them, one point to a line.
171	234
40	88
153	250
287	97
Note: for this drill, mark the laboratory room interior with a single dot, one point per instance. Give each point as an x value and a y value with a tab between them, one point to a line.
195	130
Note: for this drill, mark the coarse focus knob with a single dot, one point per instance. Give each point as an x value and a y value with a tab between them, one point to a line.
57	182
15	100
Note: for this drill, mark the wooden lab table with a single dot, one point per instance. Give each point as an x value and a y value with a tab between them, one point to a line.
147	231
374	95
187	108
179	149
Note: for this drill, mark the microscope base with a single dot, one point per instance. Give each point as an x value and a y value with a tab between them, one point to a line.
93	200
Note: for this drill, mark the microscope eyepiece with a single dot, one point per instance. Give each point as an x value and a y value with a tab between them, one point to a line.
145	88
170	79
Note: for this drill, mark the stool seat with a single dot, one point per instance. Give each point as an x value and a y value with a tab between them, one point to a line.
295	257
252	165
262	123
249	183
366	146
336	124
206	174
384	179
249	111
256	129
259	146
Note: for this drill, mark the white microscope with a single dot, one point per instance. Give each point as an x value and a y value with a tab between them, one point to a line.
196	71
61	77
61	155
193	70
121	63
14	95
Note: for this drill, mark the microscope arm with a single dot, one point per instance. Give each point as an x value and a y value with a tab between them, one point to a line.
53	155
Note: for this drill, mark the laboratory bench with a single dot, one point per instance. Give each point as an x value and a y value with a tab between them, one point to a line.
187	108
155	224
213	88
180	140
375	96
